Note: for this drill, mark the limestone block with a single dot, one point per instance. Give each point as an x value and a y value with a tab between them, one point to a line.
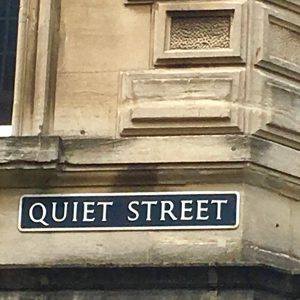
29	149
277	41
126	248
100	36
64	248
267	219
146	150
181	102
86	104
277	108
199	32
276	157
196	247
91	55
295	225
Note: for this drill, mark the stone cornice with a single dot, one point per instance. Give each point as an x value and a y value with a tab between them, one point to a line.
149	161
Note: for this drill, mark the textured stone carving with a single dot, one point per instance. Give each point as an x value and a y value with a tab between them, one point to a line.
200	32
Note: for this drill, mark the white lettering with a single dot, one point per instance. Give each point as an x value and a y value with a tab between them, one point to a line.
149	208
43	216
54	216
87	211
201	209
75	206
134	211
168	211
184	210
104	209
219	207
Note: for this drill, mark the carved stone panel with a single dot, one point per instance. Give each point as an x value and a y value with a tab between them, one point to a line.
277	112
277	42
290	4
199	32
178	102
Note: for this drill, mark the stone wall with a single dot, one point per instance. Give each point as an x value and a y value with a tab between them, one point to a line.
153	95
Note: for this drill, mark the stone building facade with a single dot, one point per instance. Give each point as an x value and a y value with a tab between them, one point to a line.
148	96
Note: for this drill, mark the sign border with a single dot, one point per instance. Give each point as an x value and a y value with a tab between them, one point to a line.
148	228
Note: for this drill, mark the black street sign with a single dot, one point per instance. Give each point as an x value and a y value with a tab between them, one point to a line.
129	211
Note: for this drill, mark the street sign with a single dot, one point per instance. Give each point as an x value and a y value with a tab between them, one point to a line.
129	211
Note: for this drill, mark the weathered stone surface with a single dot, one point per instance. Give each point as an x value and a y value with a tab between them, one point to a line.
197	101
156	150
103	248
271	155
91	55
99	162
273	243
82	96
277	108
272	213
278	40
143	294
221	113
289	4
204	282
29	149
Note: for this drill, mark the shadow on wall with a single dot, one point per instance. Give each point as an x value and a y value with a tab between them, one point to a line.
136	178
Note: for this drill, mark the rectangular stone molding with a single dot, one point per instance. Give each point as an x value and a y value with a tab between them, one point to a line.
277	112
177	102
199	32
289	4
277	40
36	63
128	2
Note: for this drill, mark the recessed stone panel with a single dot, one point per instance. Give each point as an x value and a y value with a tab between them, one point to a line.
278	40
199	32
289	4
277	112
179	102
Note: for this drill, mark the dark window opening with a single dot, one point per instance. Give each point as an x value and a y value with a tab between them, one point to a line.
9	10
